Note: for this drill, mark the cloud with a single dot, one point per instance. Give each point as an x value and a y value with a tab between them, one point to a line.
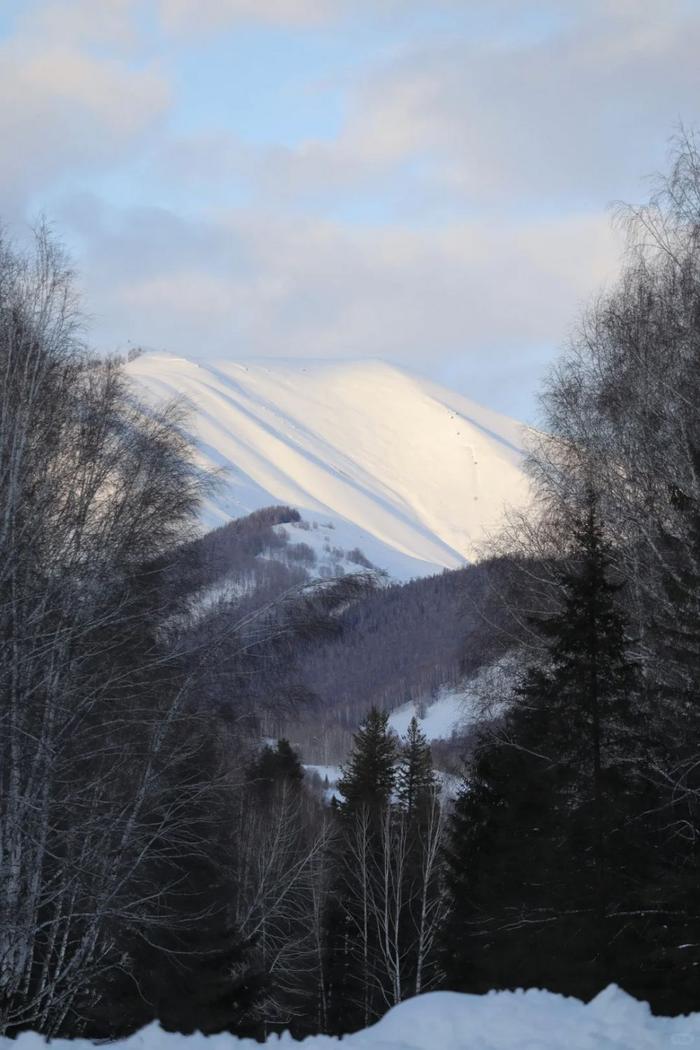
575	114
450	209
67	110
80	22
246	284
572	111
206	15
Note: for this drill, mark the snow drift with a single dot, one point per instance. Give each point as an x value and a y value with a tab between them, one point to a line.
413	474
532	1020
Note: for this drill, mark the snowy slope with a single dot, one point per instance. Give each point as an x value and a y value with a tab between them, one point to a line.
437	718
413	474
458	707
532	1020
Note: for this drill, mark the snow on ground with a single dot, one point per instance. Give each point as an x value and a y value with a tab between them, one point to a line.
437	718
485	694
225	590
411	473
532	1020
335	546
332	774
449	784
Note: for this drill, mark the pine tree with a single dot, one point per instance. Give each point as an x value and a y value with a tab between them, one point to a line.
415	778
369	777
419	819
275	768
209	986
387	901
589	688
353	950
540	842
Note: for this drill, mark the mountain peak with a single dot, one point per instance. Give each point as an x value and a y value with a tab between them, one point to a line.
414	474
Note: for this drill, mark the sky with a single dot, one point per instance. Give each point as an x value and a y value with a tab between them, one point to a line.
429	182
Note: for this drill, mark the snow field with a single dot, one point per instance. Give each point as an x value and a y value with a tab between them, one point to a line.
531	1020
450	709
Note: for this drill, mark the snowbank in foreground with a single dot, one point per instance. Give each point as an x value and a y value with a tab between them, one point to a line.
532	1020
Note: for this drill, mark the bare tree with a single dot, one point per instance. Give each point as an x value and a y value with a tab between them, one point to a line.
93	489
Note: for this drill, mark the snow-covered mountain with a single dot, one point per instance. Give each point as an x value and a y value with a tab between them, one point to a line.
411	473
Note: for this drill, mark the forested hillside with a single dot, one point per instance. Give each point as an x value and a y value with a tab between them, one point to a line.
386	645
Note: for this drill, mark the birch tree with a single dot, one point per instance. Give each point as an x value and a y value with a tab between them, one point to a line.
93	489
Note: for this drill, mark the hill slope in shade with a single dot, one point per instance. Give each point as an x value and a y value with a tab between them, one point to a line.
412	473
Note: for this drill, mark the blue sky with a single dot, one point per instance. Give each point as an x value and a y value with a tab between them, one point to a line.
426	181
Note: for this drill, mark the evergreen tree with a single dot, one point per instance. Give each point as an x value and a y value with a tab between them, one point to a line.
419	829
274	768
206	983
543	851
353	950
368	780
386	902
415	778
588	692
